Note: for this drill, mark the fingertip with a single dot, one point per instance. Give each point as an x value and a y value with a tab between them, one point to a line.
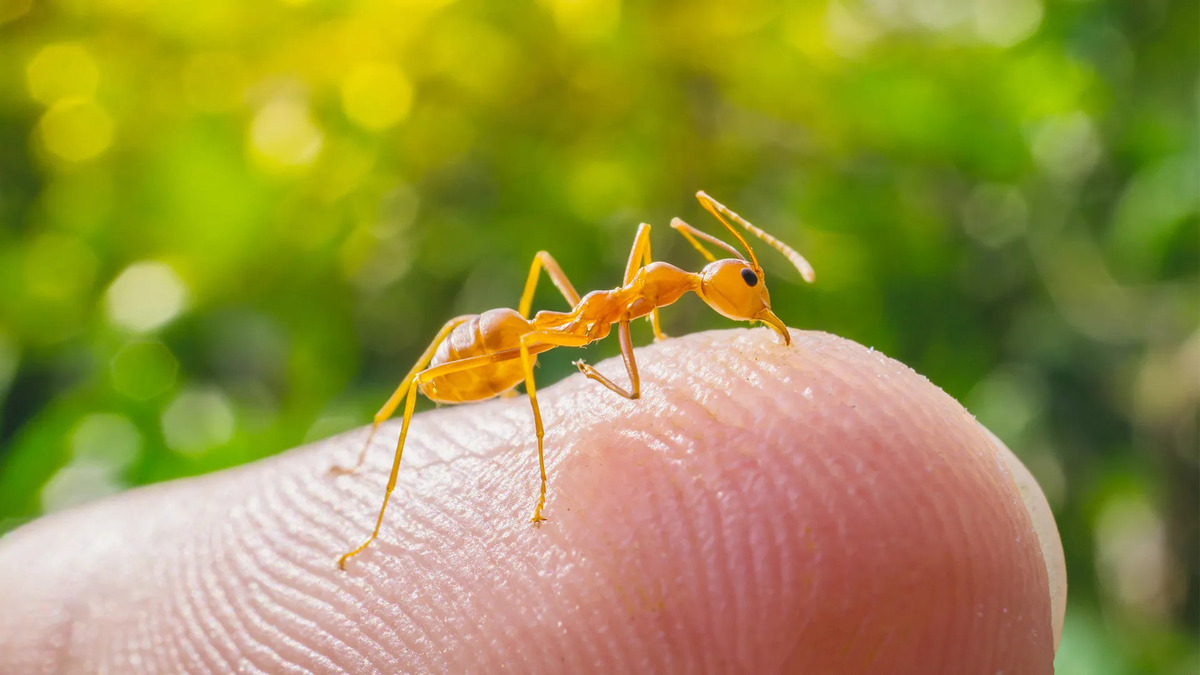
875	503
1044	524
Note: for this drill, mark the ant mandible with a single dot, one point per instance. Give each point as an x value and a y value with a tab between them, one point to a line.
478	356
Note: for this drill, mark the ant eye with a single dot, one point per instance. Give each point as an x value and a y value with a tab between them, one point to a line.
749	277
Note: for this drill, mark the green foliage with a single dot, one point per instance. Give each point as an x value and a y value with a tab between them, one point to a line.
227	228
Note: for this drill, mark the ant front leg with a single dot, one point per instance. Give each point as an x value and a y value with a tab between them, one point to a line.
635	388
389	408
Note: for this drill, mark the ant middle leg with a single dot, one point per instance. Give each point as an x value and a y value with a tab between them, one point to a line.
548	339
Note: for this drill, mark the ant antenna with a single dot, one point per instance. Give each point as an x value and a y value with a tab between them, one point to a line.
718	209
690	233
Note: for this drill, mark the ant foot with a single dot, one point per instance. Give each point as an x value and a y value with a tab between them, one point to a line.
336	470
537	519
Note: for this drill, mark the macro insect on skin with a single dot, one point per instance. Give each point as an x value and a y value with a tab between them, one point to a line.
475	357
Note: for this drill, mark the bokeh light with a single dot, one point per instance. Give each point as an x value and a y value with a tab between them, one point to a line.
376	95
76	129
284	134
59	71
145	296
198	419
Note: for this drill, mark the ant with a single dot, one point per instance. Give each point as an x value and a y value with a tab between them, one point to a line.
478	356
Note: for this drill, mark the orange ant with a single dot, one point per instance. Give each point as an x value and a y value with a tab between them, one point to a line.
475	357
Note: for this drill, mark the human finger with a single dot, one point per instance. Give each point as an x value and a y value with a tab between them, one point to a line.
818	508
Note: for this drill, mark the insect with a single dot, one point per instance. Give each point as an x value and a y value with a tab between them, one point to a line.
475	357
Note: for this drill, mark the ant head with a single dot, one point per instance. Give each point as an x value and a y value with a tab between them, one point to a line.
735	288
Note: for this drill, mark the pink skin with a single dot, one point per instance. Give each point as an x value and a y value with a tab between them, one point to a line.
817	508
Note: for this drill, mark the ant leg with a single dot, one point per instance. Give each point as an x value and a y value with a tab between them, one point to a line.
409	404
639	257
411	386
630	366
550	340
547	261
392	403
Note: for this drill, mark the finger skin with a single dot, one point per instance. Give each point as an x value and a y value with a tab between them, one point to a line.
1047	534
817	508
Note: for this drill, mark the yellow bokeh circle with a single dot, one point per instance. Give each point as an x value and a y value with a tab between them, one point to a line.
377	95
64	70
76	129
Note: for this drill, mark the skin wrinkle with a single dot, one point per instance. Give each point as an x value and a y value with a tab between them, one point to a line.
710	550
201	651
281	502
250	560
433	521
288	587
238	606
673	510
643	588
602	570
270	563
923	418
470	604
159	649
306	641
265	562
353	639
634	510
195	585
638	587
668	548
203	626
226	597
757	551
260	595
346	600
936	520
835	466
788	595
740	578
261	632
198	573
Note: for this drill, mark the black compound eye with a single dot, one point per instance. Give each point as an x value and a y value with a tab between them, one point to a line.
749	276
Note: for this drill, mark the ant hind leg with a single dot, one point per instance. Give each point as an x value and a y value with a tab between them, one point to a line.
410	389
397	396
544	260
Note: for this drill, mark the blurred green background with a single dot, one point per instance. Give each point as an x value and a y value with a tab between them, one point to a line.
228	228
